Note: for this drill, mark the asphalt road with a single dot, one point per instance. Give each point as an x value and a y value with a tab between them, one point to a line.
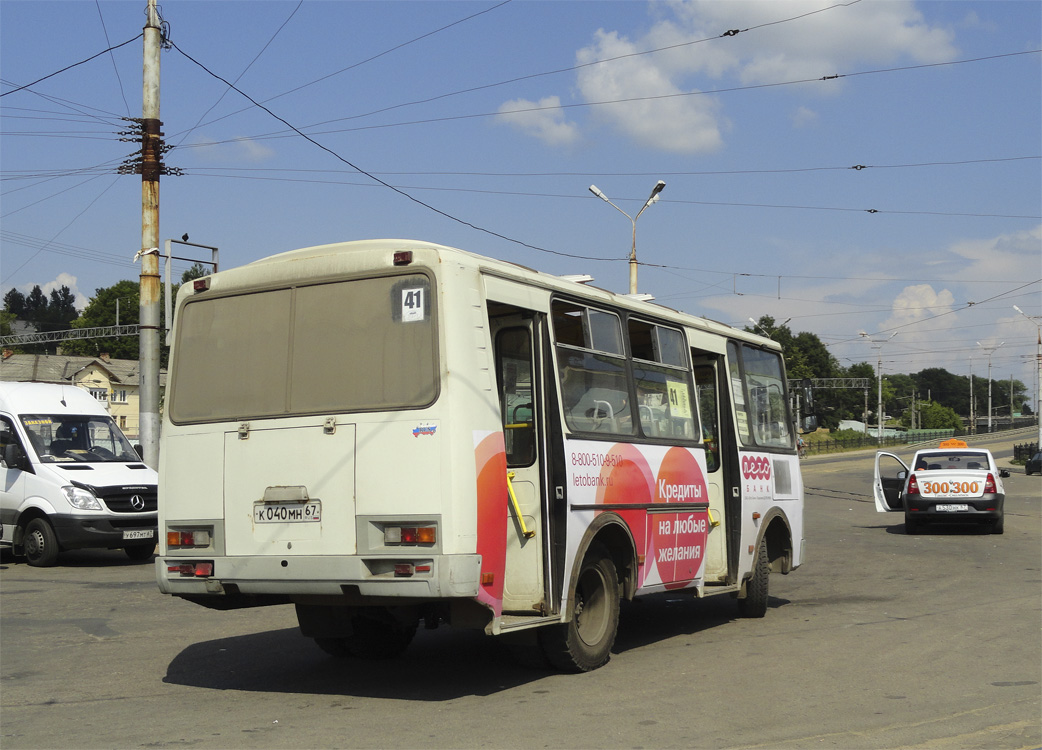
879	640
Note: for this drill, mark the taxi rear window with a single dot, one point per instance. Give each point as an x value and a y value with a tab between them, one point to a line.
952	460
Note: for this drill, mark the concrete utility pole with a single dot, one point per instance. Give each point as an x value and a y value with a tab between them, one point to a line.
878	346
1038	376
990	350
151	139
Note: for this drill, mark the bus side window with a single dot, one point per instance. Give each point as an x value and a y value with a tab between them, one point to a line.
516	395
705	386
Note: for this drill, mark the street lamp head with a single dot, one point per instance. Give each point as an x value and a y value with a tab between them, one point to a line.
597	191
658	187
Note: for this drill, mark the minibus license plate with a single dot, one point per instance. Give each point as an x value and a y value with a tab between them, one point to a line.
287	512
139	534
951	507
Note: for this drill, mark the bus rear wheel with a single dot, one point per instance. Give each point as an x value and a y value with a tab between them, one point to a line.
371	638
585	642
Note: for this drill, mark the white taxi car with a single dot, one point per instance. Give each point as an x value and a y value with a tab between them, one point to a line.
951	483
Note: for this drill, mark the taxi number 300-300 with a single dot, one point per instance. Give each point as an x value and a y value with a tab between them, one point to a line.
287	513
950	489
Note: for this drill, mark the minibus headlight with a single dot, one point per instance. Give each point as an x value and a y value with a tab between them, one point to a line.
81	499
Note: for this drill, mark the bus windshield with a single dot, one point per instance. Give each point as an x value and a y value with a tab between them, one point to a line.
359	345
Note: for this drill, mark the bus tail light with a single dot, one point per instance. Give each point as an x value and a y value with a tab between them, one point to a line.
191	569
188	538
989	484
913	485
403	257
410	535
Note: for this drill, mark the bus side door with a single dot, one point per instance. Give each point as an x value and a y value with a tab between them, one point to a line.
722	469
520	360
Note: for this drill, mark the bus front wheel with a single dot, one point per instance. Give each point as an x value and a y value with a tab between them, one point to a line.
584	643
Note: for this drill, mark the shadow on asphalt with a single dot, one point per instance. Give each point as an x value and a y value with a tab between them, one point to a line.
439	665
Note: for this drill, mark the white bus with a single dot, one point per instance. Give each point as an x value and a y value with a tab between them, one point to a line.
390	432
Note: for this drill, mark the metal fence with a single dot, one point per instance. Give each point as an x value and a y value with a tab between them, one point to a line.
841	444
1024	451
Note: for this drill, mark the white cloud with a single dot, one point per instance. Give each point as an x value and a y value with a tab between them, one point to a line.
238	150
667	110
804	117
543	120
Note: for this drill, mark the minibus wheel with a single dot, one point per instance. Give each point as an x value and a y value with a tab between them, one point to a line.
585	642
40	544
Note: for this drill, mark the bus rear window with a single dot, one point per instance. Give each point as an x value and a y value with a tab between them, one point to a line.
361	345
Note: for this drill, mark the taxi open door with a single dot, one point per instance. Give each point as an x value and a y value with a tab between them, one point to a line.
888	483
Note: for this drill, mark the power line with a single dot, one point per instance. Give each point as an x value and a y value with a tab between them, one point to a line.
69	67
382	182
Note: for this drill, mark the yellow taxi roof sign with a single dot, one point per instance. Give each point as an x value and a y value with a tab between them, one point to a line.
953	443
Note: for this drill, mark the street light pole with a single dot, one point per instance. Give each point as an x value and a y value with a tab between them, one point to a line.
633	220
990	351
1038	376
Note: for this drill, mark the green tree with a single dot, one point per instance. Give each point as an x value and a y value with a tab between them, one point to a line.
61	310
934	416
197	271
6	318
101	312
35	309
14	302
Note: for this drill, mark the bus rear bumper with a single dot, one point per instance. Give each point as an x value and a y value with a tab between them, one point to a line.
432	577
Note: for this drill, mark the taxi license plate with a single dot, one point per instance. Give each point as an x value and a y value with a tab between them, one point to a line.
287	512
139	534
951	507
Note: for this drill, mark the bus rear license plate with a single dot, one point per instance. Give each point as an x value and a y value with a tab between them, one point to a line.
139	534
951	507
287	513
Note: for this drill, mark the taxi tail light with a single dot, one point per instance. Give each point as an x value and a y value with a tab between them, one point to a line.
913	485
989	484
191	569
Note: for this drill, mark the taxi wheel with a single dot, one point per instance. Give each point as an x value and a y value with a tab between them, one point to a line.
40	543
911	526
998	525
755	602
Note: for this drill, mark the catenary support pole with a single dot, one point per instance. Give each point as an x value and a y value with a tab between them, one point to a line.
150	166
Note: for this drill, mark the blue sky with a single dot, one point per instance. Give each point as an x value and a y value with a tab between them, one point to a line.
501	115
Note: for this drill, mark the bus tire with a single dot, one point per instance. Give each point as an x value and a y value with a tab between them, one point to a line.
378	638
40	544
755	602
334	646
584	643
